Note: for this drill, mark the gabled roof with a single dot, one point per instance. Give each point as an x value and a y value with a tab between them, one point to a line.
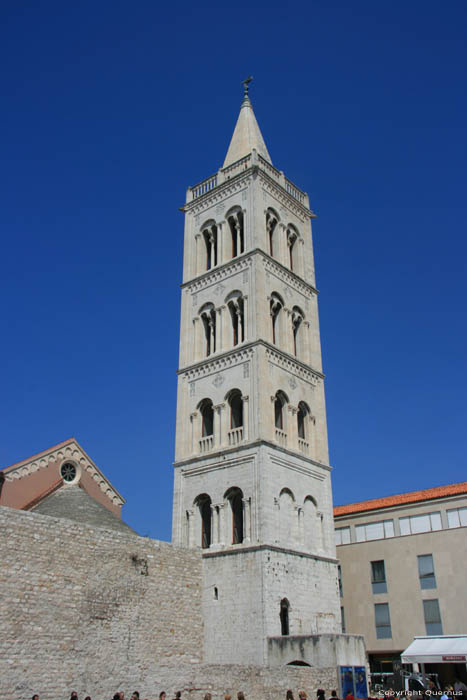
246	136
402	499
68	448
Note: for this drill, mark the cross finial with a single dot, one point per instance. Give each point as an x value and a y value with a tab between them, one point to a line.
245	85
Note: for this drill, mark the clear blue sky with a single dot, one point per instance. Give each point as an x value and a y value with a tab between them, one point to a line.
111	109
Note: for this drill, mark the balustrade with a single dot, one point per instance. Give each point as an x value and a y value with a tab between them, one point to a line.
206	443
281	437
303	446
236	435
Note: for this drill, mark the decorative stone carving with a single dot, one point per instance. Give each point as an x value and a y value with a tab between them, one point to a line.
288	278
294	368
292	383
192	388
218	380
217	275
217	365
220	289
246	370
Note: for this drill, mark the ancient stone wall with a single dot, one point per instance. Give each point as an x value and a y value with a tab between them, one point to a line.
91	608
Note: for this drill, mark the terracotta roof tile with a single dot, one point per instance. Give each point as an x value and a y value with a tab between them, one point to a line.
402	499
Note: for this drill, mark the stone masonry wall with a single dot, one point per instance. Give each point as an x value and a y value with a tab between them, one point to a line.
98	611
91	608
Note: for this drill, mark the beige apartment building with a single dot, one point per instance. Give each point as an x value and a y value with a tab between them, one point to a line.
403	570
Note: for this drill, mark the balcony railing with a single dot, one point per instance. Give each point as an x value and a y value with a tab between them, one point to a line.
206	443
303	446
235	435
240	166
281	437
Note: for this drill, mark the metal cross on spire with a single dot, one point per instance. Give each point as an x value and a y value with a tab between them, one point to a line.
246	83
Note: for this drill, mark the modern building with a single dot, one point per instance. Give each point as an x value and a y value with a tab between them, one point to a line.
403	569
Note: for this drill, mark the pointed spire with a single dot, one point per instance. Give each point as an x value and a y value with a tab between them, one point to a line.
246	135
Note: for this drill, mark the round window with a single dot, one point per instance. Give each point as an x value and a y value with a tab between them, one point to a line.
68	471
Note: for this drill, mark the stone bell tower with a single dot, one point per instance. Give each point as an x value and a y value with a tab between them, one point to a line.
252	479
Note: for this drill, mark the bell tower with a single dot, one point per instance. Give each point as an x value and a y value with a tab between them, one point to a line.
252	479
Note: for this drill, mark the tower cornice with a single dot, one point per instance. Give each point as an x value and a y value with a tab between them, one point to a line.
213	188
208	366
218	273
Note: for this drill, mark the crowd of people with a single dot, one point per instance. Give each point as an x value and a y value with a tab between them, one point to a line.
301	694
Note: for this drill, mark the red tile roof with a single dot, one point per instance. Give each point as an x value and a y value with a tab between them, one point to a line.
402	499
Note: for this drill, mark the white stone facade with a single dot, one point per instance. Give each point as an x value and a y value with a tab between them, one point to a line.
252	479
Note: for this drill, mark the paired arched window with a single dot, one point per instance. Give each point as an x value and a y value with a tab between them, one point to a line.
236	225
302	414
292	237
203	503
209	233
236	306
272	220
208	318
276	305
297	329
235	499
207	418
284	617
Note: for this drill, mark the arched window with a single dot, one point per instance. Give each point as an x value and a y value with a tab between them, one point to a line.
236	307
280	401
204	505
297	323
302	415
235	221
284	615
207	418
271	225
235	498
208	317
311	525
276	305
292	237
288	518
235	402
210	241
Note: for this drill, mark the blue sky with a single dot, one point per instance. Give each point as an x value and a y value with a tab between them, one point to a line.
111	109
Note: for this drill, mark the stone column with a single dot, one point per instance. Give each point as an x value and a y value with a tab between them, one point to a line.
218	425
189	528
226	328
292	429
245	417
221	523
194	418
247	519
287	331
245	318
220	243
224	422
214	525
199	254
283	251
219	330
197	340
212	335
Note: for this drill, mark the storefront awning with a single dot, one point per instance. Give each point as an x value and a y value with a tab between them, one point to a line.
448	649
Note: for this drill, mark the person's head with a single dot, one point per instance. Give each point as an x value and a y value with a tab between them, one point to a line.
135	695
302	695
162	695
320	693
208	696
289	695
227	697
88	697
178	695
240	695
333	694
74	695
35	697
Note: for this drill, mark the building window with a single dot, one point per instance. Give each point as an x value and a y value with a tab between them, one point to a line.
237	315
284	615
343	620
342	535
297	329
374	531
457	517
378	577
204	504
426	571
271	224
382	621
292	237
235	220
432	617
68	472
208	318
210	241
339	579
276	304
420	523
